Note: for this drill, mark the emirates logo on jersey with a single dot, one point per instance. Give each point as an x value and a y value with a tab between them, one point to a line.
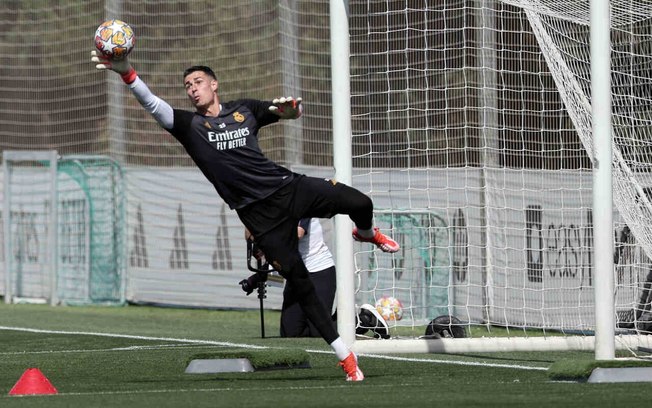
230	139
239	117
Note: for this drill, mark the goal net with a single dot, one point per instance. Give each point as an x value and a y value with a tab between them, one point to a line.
64	229
478	113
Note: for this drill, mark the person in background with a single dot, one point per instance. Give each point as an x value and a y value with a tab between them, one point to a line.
319	261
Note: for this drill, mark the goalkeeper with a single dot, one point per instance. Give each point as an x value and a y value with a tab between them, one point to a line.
222	140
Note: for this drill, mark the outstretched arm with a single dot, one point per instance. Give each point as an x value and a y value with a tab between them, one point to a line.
157	107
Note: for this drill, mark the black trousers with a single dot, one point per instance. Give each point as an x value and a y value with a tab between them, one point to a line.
294	322
273	222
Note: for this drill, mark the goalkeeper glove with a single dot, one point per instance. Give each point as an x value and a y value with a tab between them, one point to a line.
122	67
287	107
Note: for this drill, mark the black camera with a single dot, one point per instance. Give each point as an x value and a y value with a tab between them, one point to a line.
251	283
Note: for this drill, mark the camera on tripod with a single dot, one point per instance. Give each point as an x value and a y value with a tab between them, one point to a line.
251	283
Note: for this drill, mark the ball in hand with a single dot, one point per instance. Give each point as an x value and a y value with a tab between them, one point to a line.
114	39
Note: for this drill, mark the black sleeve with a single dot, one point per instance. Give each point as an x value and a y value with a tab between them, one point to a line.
261	111
182	120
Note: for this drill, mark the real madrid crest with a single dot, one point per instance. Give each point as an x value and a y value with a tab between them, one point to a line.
239	117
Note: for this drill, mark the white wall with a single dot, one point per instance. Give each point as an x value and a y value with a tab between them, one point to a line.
186	247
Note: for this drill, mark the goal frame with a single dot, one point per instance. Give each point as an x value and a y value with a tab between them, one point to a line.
51	157
82	239
605	341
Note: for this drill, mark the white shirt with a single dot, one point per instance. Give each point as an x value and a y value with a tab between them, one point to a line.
314	251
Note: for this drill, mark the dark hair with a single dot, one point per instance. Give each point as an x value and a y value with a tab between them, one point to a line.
202	68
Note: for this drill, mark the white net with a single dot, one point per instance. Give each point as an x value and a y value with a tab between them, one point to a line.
28	223
72	252
479	113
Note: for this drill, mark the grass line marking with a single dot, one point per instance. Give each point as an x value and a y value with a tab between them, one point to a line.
128	348
251	346
452	362
162	391
135	337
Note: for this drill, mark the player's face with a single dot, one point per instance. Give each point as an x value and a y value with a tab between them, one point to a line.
200	88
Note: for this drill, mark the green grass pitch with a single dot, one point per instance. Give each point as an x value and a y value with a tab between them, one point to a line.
135	356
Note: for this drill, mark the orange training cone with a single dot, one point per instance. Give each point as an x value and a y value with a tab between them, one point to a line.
33	382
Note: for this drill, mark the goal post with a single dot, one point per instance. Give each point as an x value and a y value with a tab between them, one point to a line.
493	116
92	229
30	187
341	120
64	228
605	319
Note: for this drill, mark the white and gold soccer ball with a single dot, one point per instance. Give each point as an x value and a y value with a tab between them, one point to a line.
390	308
114	39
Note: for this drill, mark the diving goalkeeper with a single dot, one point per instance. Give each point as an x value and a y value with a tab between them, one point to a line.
222	140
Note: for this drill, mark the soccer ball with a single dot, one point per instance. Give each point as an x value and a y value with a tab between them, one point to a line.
390	308
114	39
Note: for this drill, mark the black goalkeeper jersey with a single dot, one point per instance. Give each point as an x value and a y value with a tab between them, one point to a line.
226	150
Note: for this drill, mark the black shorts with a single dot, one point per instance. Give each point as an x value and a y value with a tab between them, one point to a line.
304	197
273	221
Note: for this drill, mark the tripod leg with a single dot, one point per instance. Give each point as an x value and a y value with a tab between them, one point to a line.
261	296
